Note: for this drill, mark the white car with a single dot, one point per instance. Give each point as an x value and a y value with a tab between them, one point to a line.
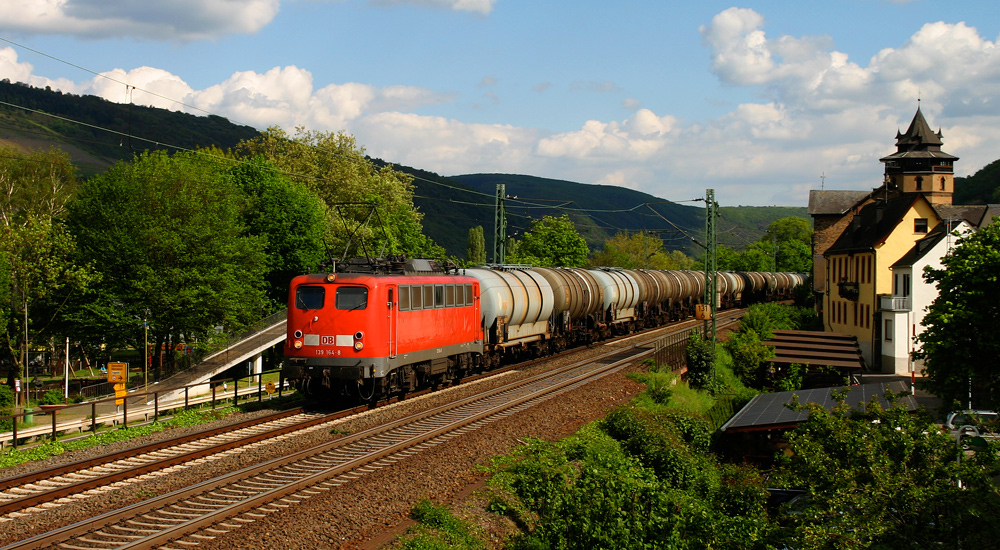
973	423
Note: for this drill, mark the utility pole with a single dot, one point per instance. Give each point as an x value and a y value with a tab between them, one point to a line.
500	225
711	281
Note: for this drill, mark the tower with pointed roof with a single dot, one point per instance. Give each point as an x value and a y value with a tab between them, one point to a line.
919	165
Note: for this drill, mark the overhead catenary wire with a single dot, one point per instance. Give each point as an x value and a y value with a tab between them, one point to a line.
131	88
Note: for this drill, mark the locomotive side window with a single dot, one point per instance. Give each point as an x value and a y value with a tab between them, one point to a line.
352	297
416	295
428	296
449	295
404	298
309	297
468	295
459	295
438	295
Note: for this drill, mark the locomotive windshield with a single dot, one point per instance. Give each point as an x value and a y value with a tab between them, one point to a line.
309	297
352	297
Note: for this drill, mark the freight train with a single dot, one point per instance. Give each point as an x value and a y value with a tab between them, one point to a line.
377	327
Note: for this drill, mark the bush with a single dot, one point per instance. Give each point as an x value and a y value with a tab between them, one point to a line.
701	362
52	397
6	406
670	443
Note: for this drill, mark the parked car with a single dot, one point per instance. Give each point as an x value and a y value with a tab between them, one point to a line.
969	424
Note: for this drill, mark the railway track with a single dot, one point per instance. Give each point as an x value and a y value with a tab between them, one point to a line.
208	508
50	485
204	510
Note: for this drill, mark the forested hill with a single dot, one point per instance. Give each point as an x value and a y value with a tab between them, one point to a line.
96	133
983	187
598	211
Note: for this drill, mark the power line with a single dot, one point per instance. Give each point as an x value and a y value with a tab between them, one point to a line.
130	88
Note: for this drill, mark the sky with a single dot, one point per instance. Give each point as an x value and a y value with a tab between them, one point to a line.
761	101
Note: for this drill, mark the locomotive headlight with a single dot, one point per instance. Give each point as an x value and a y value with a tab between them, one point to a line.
331	277
297	334
298	344
359	335
358	345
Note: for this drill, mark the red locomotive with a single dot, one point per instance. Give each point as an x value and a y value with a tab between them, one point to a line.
378	327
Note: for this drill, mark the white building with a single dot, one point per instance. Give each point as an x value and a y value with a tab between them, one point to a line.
904	310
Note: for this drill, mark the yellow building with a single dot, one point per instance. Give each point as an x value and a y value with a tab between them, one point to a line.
860	243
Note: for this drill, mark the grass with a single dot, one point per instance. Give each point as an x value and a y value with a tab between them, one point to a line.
438	529
182	418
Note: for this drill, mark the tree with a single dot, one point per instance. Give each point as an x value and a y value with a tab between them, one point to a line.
166	233
551	241
34	186
38	267
787	246
750	356
288	218
884	478
791	238
640	250
476	251
336	169
957	346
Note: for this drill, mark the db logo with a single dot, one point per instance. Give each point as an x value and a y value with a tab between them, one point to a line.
327	340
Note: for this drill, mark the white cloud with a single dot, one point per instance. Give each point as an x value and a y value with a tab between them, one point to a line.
16	71
447	145
477	6
818	112
174	20
12	69
739	49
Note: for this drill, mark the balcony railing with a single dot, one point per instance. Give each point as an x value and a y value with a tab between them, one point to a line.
895	303
849	290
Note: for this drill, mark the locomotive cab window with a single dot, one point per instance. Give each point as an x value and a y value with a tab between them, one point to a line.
352	297
438	295
309	297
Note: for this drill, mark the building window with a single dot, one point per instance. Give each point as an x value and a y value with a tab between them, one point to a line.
888	330
920	183
906	284
920	225
942	182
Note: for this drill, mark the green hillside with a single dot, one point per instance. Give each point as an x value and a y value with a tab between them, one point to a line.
983	187
96	133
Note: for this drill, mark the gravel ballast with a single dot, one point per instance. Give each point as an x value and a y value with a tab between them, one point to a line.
351	515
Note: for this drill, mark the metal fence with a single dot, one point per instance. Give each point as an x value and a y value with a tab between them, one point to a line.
19	428
671	351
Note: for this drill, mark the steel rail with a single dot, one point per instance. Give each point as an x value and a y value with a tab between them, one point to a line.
311	467
205	442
